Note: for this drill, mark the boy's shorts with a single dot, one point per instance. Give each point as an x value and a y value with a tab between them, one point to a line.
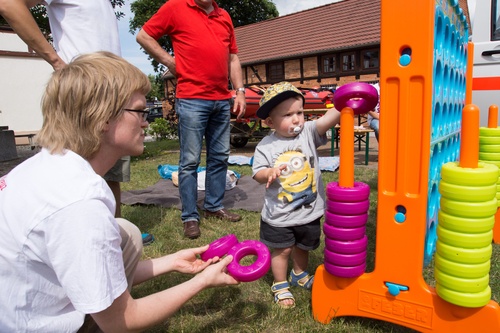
305	237
120	172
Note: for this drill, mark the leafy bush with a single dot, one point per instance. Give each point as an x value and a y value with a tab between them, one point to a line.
162	129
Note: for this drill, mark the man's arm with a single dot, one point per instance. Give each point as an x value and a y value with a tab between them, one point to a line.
154	49
236	77
17	14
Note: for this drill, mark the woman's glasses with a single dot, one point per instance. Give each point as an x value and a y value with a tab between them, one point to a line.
144	112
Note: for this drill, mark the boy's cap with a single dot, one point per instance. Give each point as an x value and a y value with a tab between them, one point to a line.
276	94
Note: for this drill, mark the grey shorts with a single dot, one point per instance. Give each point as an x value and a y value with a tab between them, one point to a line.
305	237
120	172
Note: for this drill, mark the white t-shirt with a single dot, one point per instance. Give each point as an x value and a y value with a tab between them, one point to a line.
83	26
60	255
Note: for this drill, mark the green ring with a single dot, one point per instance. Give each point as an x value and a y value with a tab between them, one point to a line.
461	284
496	163
484	174
487	131
465	240
467	193
469	209
464	256
461	224
489	156
489	140
489	148
464	270
469	300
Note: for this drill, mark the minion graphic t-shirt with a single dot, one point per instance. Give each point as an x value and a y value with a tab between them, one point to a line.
297	196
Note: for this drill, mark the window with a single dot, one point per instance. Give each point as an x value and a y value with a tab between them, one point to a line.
348	62
370	59
329	64
276	72
495	22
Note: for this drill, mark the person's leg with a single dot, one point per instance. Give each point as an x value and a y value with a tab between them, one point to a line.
120	172
217	137
131	246
115	188
374	125
307	239
300	259
281	241
193	116
279	263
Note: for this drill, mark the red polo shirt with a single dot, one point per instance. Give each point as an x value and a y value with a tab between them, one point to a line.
202	45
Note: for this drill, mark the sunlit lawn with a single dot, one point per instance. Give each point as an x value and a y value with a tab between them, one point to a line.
247	307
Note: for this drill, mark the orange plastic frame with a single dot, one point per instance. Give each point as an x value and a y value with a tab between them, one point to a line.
406	101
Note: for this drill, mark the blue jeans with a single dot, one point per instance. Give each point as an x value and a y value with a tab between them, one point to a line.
374	125
197	119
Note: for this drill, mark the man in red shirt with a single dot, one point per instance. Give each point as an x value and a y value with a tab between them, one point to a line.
205	49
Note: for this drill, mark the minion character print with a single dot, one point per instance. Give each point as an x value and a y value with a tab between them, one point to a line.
298	185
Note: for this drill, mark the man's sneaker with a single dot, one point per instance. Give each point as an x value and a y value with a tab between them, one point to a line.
147	238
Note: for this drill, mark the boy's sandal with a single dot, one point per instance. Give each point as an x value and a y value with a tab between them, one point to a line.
281	293
303	280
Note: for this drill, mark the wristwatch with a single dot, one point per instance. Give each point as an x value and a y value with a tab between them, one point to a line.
240	90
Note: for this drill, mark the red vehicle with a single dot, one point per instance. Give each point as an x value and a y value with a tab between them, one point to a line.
250	126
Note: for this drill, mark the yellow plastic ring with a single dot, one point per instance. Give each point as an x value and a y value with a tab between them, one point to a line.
487	131
465	240
464	270
468	300
461	224
469	209
489	140
467	193
464	256
489	156
496	163
484	174
489	148
461	284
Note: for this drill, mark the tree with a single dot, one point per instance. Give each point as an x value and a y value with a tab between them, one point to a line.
157	84
242	12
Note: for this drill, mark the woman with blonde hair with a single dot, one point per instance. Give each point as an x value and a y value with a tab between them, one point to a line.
65	259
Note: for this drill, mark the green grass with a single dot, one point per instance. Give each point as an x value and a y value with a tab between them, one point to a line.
247	307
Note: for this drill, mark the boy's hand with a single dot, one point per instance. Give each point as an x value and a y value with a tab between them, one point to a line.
274	173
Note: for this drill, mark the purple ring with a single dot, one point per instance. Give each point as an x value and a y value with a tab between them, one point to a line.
344	271
344	234
219	247
345	221
342	259
347	247
254	271
347	208
359	96
359	192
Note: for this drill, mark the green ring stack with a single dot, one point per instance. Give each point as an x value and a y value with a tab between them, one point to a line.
465	232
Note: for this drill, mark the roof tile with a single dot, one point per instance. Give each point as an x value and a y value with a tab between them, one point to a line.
341	25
